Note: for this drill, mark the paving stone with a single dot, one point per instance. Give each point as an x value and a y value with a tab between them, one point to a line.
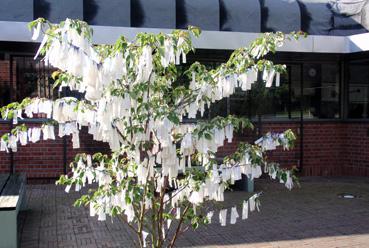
310	216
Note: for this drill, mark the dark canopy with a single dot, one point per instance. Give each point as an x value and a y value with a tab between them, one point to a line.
316	17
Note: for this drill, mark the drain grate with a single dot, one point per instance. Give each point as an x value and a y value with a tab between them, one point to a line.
348	196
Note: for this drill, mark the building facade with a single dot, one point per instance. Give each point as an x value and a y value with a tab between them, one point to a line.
323	97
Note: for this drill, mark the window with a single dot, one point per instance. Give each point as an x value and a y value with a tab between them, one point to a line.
294	80
282	102
321	95
5	82
219	108
313	88
239	103
22	76
321	91
270	102
358	90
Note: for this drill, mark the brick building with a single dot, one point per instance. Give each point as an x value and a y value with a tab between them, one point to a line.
324	96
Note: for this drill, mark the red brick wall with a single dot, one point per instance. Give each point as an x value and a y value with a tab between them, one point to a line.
330	149
5	79
356	150
41	159
4	157
87	145
285	158
4	71
323	148
44	159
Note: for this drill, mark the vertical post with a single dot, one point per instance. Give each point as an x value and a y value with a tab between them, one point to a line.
344	89
11	154
64	144
247	184
11	93
301	118
228	106
289	68
65	154
11	77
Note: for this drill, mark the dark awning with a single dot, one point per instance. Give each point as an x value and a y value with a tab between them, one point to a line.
316	17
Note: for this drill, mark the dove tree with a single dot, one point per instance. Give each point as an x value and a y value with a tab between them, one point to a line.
162	175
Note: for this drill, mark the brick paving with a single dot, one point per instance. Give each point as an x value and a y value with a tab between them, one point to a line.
312	216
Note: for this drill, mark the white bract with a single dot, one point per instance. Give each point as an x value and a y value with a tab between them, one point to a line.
162	172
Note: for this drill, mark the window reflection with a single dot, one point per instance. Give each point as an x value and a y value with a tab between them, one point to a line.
22	76
321	91
294	80
320	98
282	102
239	104
219	108
358	90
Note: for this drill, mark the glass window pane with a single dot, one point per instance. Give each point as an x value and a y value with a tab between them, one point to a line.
5	82
239	103
264	101
270	103
330	92
273	102
21	76
218	108
295	81
358	90
321	91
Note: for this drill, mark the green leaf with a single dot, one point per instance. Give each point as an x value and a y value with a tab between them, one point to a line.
173	118
55	75
195	31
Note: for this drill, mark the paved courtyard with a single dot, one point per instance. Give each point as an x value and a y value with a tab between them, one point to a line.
310	216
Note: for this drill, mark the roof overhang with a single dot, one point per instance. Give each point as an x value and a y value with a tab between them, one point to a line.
221	40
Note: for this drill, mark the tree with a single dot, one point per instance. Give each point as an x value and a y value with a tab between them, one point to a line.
162	173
